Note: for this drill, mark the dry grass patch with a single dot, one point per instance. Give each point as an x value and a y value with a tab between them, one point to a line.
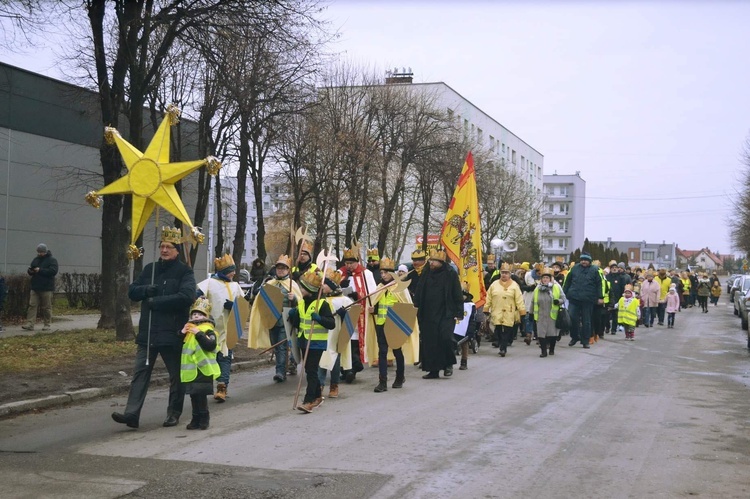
64	349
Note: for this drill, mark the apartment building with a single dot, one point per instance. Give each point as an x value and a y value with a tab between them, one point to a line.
563	215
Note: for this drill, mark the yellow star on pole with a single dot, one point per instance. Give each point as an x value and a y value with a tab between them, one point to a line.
151	177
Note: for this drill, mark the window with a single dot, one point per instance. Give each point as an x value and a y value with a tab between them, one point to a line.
252	253
551	225
561	243
492	143
480	136
647	255
513	156
276	189
253	236
563	190
549	243
632	255
267	189
266	205
550	208
503	149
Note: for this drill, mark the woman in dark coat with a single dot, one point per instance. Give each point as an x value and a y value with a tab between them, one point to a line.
440	302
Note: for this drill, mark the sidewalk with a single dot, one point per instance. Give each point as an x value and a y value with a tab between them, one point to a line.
60	323
87	321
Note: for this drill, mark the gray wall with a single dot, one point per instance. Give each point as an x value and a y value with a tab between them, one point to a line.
50	133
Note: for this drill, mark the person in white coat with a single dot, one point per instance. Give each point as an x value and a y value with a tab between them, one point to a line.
221	290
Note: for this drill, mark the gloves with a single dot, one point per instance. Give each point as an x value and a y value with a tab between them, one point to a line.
228	304
316	317
151	291
293	314
341	312
149	302
555	302
295	275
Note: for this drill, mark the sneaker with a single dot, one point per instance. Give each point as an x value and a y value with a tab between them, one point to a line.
279	378
28	327
317	402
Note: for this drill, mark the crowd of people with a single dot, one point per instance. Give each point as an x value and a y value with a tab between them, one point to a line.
186	323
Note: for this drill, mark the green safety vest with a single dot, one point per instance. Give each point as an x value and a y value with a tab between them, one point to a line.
555	296
384	304
605	286
319	333
628	315
194	358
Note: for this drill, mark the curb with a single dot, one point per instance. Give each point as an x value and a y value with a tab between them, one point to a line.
24	406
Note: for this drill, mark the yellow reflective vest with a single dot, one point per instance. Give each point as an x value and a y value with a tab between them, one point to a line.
194	358
319	337
555	296
628	314
383	305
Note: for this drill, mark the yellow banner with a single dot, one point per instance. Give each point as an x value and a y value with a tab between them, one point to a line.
461	235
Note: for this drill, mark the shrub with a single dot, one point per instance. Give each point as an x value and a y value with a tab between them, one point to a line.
17	299
82	290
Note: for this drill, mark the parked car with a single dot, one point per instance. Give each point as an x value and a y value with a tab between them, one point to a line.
739	290
730	282
735	285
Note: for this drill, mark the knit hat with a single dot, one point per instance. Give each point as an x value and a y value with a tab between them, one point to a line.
585	256
403	268
524	266
41	248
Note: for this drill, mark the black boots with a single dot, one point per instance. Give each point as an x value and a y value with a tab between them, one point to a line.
551	342
200	413
399	382
463	365
382	385
543	346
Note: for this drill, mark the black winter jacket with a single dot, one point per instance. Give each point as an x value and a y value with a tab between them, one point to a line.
583	284
44	280
169	307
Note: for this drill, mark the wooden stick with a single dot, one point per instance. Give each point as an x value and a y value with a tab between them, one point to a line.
272	347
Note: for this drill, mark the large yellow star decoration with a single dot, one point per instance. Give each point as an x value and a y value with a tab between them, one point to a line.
151	178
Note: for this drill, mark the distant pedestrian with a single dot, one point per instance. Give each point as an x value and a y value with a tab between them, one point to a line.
650	290
628	312
673	305
42	270
583	287
715	292
505	305
703	291
548	296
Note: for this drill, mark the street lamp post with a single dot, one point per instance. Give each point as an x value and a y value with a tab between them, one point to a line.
496	244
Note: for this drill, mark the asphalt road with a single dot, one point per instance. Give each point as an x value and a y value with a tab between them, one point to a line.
665	416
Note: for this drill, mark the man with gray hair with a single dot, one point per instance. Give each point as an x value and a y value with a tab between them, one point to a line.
42	270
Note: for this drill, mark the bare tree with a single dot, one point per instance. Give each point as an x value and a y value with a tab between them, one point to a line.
740	220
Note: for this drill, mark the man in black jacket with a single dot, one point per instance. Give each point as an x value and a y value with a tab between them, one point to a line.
166	290
42	270
583	287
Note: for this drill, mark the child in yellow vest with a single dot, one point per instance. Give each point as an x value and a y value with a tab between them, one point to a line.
199	368
628	312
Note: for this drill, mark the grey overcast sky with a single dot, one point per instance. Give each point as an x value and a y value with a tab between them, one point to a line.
650	101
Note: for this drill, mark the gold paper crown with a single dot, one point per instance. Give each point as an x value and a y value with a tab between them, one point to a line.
387	264
349	254
612	262
418	254
171	235
311	280
438	255
334	275
628	287
490	258
597	263
505	267
223	262
202	305
307	247
372	254
284	260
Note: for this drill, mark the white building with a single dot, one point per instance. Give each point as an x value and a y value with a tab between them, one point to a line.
488	133
563	215
643	254
274	197
507	148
